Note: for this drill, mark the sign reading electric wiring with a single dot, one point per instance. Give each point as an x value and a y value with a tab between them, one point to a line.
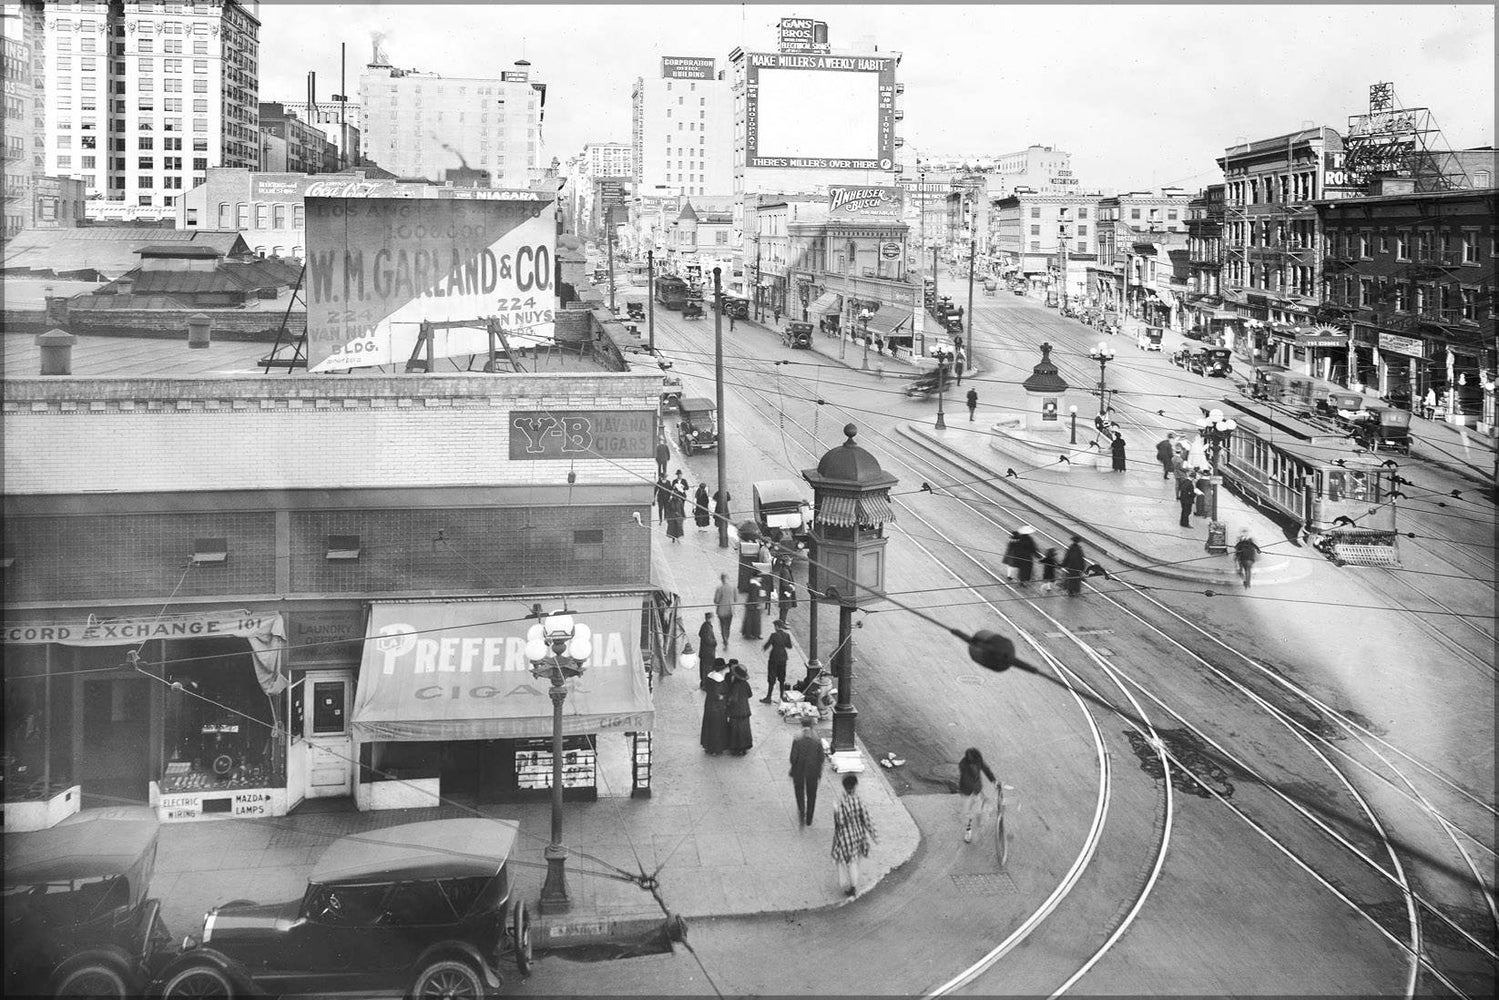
551	435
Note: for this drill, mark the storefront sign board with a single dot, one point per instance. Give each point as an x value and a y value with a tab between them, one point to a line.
1411	346
686	68
567	435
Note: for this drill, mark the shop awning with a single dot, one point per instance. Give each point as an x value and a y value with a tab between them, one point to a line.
846	512
826	303
457	670
888	321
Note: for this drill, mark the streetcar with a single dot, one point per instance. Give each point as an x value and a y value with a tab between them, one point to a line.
1304	393
1339	496
671	292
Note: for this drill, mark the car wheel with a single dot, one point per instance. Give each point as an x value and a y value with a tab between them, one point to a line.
448	977
93	979
198	981
520	928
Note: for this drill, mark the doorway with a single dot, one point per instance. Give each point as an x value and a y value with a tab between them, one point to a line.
113	757
330	744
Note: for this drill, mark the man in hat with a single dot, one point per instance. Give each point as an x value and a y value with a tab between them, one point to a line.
806	769
707	641
779	645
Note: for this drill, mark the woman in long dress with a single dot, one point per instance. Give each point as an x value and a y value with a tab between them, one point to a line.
701	514
715	731
674	516
738	698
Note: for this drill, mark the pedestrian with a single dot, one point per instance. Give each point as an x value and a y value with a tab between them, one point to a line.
663	455
786	598
1073	565
971	773
960	361
1049	571
707	642
807	758
723	606
674	516
721	500
701	515
753	599
715	729
731	321
1186	494
779	645
1245	551
1117	448
680	485
1165	453
1011	559
1025	553
973	403
853	832
777	315
737	698
663	497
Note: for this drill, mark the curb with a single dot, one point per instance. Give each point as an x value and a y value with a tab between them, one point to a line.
1135	561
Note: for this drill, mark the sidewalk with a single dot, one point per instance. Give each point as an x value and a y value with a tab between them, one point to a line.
853	355
720	833
1128	520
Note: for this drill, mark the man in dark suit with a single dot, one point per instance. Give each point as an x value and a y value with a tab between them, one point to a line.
806	769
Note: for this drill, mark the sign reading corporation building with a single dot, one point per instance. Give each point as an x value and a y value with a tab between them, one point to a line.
686	68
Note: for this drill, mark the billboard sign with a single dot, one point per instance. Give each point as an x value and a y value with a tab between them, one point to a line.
819	111
379	266
802	34
859	202
565	435
687	68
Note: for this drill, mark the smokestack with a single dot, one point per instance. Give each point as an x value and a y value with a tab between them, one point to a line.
311	95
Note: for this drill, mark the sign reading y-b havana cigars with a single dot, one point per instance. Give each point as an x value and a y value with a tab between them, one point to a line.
380	263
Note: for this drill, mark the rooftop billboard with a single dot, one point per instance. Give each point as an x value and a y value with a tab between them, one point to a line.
378	266
819	111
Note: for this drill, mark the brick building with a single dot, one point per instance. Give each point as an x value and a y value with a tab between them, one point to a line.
238	535
1412	274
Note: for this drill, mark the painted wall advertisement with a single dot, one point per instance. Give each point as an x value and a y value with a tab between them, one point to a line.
379	266
687	68
859	202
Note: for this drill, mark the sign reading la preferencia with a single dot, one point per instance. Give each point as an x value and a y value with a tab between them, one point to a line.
377	266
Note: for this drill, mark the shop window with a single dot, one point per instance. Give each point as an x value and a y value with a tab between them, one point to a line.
344	548
210	552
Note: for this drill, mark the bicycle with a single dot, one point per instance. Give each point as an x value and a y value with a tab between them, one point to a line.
1001	842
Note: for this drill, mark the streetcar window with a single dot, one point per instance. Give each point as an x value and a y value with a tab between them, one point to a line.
1334	486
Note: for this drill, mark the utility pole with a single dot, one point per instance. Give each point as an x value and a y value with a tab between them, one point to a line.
973	232
650	299
609	242
723	485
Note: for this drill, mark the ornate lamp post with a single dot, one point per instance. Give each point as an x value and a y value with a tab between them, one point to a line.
557	648
850	507
1103	354
941	389
864	315
1072	411
1216	431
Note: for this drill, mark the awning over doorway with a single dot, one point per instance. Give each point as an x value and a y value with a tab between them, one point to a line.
887	321
457	670
826	303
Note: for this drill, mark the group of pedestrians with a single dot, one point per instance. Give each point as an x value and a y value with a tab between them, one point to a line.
1021	555
726	709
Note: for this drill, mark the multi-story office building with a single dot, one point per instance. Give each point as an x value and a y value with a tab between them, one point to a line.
1412	274
609	159
1204	298
422	125
681	135
144	97
1272	266
1040	237
340	121
19	171
290	145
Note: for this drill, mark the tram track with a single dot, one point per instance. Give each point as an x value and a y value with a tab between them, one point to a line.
1351	727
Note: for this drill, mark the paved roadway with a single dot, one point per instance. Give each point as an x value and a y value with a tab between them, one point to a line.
1240	858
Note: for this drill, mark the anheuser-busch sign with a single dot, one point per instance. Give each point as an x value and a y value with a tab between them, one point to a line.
864	201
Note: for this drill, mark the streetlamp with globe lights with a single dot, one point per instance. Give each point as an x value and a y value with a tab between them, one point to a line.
1103	354
558	648
1216	430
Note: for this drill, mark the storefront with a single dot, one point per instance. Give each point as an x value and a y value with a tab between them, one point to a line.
185	713
446	705
1326	352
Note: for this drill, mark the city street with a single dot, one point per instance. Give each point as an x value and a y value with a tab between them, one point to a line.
1323	801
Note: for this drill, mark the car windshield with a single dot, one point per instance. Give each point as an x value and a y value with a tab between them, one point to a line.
421	902
65	902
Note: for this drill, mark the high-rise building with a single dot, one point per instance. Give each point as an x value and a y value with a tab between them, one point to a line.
609	159
19	125
682	123
340	121
144	97
290	145
422	125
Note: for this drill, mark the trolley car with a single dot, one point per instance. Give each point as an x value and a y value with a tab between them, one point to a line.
1304	393
672	292
1338	495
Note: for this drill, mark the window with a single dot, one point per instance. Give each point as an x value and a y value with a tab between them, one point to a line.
1035	211
1171	213
145	103
1470	303
199	86
1365	293
171	163
145	142
1082	230
241	216
146	163
65	142
1035	230
200	163
145	182
199	107
226	217
1082	213
297	216
1402	246
1035	246
1384	241
1470	248
147	45
278	216
143	200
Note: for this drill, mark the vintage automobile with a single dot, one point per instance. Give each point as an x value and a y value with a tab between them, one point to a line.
735	306
671	393
781	506
78	921
929	382
692	309
1383	428
797	334
697	428
1182	357
635	310
423	908
1149	338
1212	361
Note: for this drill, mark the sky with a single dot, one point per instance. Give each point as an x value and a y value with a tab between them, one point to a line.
1141	95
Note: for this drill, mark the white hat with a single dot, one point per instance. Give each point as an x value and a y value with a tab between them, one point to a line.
1026	529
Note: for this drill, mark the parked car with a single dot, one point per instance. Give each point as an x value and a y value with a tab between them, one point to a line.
697	429
671	392
78	921
797	334
1197	333
782	505
422	908
1213	361
635	310
733	305
1149	338
1182	357
692	310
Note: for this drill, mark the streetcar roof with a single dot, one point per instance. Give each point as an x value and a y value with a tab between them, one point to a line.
1301	439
